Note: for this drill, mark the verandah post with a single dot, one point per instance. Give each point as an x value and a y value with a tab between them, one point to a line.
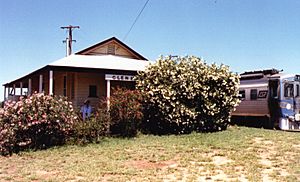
29	86
21	88
50	82
4	93
41	84
108	93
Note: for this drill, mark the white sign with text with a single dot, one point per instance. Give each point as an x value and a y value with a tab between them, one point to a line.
119	77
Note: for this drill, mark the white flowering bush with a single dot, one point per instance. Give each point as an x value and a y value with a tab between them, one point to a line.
184	94
36	122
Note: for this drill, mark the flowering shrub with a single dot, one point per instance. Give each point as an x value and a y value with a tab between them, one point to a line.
125	112
185	94
92	129
36	122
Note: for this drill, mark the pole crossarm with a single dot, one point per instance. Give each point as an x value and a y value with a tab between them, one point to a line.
69	40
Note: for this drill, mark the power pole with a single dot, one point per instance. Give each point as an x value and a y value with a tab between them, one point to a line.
67	45
69	40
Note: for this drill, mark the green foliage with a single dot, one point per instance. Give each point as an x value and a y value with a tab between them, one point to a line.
91	130
125	112
185	94
122	119
37	122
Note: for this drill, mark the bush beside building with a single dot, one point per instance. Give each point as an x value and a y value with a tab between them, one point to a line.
185	94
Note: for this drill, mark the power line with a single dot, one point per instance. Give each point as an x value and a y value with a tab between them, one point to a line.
136	19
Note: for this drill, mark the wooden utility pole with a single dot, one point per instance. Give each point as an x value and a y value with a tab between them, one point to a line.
69	40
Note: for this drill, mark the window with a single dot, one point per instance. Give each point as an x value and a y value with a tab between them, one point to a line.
297	90
253	94
242	94
288	90
65	86
72	86
93	91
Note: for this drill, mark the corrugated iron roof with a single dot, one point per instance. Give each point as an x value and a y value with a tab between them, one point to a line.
101	62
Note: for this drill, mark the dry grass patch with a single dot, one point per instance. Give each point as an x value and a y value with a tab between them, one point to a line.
143	164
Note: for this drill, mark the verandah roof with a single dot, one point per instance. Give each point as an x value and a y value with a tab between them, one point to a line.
104	62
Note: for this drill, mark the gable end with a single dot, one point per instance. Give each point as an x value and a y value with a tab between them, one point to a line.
112	46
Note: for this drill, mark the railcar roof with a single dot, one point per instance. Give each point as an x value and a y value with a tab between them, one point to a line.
283	75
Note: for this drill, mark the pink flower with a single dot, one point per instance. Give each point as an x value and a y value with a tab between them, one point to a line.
3	131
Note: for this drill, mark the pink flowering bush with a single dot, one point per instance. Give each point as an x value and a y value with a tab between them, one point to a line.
125	112
36	122
91	130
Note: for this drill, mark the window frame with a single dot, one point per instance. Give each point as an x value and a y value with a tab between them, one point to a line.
288	90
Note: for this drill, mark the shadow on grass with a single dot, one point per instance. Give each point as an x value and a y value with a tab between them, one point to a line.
253	122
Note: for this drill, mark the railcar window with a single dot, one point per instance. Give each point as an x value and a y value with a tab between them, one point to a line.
253	94
288	90
242	94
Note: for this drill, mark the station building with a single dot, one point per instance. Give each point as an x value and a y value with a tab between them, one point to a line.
88	74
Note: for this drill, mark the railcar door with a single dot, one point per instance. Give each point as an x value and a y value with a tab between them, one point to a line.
273	102
297	101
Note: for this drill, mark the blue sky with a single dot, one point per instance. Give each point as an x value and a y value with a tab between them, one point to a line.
244	34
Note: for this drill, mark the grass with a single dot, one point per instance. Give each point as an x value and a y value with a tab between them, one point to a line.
237	154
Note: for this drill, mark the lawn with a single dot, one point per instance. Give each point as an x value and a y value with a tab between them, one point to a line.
237	154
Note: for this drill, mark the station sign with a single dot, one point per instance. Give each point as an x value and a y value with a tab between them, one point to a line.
119	77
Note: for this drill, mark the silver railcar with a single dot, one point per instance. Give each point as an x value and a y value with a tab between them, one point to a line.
270	96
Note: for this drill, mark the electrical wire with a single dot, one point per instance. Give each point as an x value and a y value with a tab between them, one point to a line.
136	20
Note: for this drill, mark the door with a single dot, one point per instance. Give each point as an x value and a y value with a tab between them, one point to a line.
273	102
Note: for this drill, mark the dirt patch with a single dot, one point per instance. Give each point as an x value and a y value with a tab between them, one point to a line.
45	174
221	160
259	140
296	146
218	176
265	153
144	164
77	178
